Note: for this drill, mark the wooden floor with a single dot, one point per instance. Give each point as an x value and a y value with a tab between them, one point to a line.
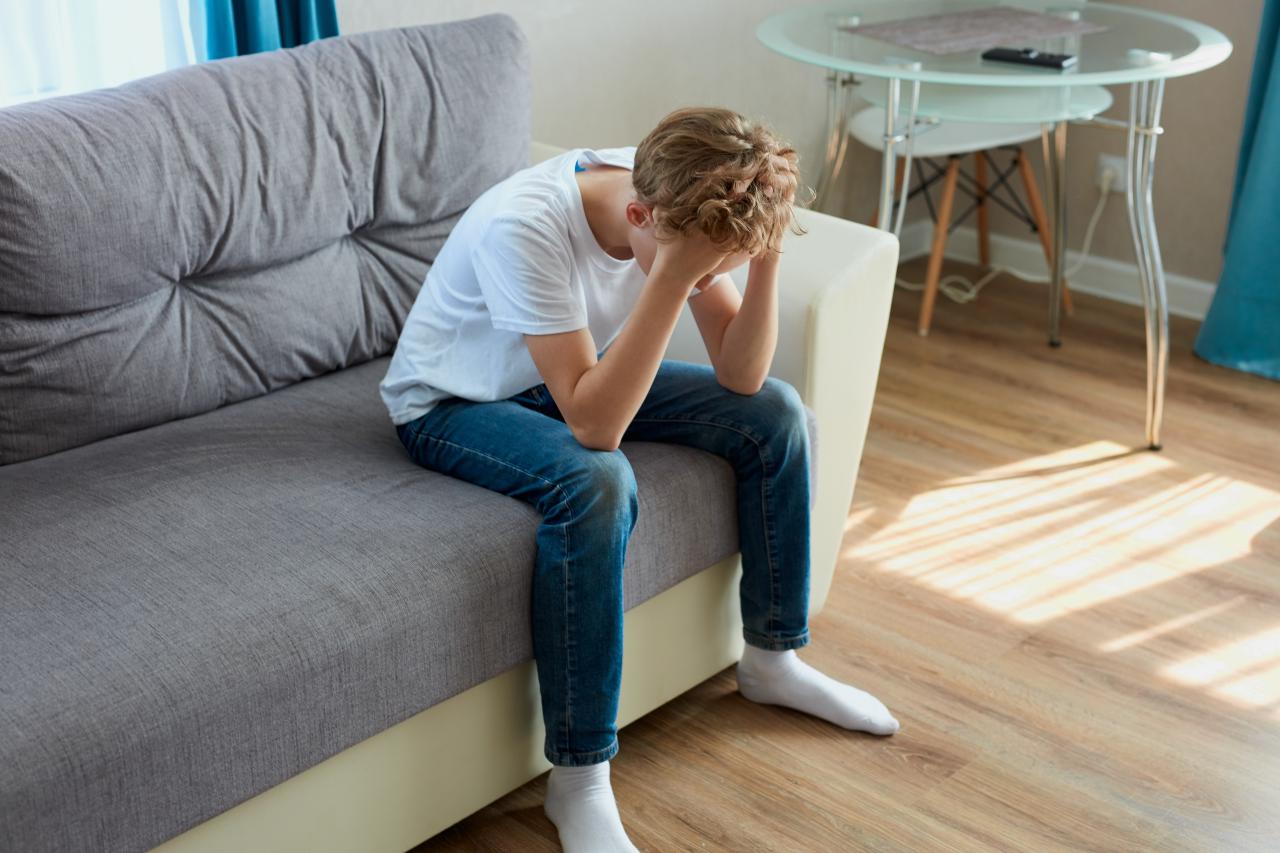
1081	639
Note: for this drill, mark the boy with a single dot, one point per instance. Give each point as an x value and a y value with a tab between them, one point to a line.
498	378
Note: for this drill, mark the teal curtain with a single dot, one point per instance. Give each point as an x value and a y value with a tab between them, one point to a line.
237	27
1242	328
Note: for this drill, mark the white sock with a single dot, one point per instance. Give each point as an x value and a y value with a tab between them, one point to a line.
580	803
781	678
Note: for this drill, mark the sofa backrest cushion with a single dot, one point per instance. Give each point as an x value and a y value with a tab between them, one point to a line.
212	233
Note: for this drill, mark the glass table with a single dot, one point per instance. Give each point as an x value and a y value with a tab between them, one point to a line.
1138	47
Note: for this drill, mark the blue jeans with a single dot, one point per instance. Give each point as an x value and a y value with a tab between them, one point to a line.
521	447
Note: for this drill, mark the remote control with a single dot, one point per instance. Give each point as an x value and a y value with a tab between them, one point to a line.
1030	56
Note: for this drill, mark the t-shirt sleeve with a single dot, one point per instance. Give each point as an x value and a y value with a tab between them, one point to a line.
717	280
524	277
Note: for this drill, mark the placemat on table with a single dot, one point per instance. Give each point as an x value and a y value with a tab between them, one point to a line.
974	29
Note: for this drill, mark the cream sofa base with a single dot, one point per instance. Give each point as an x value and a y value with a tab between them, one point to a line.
388	793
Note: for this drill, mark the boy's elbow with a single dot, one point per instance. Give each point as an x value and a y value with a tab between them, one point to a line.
739	384
597	438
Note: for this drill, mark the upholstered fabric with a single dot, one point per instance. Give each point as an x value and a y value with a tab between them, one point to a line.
194	612
199	597
209	234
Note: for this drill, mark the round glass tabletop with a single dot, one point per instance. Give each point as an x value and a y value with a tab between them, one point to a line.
1024	104
1136	44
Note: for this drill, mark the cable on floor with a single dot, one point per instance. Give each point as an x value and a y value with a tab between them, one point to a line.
959	288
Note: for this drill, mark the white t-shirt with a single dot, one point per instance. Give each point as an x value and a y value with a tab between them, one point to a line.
521	259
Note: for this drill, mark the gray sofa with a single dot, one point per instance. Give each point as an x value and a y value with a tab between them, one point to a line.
219	571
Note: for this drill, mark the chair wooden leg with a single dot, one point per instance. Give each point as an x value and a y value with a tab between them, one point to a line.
897	187
1042	222
984	233
940	228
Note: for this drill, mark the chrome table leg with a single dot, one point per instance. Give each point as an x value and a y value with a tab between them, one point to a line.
1145	100
892	136
888	160
907	154
833	137
839	107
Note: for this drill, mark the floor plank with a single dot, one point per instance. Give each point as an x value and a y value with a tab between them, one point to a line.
1080	637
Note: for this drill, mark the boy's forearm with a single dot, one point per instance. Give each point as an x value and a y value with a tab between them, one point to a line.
751	337
608	395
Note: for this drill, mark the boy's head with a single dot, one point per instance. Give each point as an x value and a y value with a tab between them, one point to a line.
712	169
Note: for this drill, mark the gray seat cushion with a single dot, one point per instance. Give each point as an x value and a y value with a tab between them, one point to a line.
197	611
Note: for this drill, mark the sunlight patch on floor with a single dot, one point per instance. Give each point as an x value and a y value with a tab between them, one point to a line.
1169	626
1059	533
1245	671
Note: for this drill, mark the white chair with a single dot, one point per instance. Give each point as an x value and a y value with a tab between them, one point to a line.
953	140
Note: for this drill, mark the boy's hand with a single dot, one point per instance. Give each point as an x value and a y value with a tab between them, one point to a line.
765	258
692	257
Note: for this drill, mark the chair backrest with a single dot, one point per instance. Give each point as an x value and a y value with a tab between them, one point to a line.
215	232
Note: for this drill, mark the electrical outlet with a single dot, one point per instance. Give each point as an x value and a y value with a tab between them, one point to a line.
1117	165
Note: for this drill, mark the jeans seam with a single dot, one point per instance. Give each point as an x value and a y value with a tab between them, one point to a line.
556	486
595	753
768	537
803	633
755	439
770	642
564	499
568	618
764	496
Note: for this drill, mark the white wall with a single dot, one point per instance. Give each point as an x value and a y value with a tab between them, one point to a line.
605	72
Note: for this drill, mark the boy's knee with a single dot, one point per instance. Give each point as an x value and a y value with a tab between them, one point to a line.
613	479
781	405
603	485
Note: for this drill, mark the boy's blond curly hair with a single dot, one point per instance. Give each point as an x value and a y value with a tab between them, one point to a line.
713	169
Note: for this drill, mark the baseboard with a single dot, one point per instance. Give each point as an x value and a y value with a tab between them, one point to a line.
1112	279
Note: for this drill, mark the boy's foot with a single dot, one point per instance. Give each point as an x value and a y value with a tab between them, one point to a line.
781	678
580	803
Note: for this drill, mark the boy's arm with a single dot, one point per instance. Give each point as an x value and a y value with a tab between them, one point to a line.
598	399
741	333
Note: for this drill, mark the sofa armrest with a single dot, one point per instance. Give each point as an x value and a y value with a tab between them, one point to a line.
835	288
539	151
